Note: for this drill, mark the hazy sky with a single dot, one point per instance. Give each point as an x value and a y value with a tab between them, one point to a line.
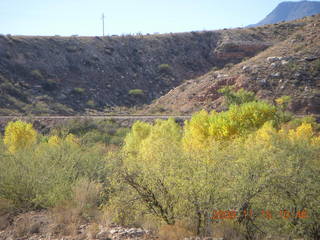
83	17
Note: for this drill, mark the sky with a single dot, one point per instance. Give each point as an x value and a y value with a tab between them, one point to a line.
84	17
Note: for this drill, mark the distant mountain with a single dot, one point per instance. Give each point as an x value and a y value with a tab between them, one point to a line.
288	11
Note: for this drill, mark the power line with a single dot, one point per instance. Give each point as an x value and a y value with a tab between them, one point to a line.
103	24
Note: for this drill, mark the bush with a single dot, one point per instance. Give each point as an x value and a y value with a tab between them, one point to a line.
136	92
229	65
37	74
78	91
241	158
19	135
164	68
91	103
283	102
43	175
174	232
50	85
205	129
91	132
238	98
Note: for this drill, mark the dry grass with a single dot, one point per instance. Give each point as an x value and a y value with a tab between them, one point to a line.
65	219
228	230
69	215
93	230
22	227
174	232
6	209
28	224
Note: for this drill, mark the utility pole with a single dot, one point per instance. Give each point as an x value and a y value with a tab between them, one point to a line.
103	24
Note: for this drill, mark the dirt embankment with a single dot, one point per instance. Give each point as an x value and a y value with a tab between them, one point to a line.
67	75
290	67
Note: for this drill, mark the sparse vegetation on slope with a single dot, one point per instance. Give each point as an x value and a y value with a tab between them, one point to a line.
60	75
289	68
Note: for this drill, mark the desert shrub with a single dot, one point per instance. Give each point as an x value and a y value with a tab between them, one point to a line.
243	159
238	98
149	144
229	65
91	132
284	101
72	48
169	183
174	232
215	68
136	92
78	91
54	140
82	207
228	230
37	74
19	135
296	122
50	85
205	128
43	174
164	68
30	184
245	59
91	103
86	198
95	136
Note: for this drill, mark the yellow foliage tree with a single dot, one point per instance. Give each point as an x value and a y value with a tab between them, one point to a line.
203	128
139	131
19	135
54	140
196	131
71	139
162	135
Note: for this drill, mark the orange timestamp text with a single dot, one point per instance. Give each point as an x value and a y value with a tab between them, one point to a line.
233	214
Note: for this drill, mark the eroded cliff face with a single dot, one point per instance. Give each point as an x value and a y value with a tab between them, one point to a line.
67	75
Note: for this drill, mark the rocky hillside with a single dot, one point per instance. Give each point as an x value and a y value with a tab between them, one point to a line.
291	67
69	75
288	11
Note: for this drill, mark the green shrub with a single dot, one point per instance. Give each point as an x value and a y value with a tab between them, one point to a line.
78	90
215	68
245	59
264	169
91	103
229	65
72	49
37	74
91	132
164	68
136	92
43	175
237	98
50	85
